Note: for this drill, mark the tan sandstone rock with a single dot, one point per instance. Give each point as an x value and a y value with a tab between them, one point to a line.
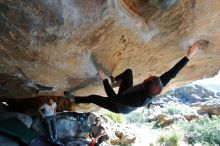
63	43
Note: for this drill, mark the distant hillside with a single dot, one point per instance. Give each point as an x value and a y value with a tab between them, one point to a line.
188	94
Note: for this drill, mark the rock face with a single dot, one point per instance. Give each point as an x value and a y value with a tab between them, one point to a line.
63	43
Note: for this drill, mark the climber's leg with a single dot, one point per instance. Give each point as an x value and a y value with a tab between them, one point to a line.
126	79
108	89
104	102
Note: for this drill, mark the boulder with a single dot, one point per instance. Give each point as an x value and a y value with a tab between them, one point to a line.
38	126
191	117
67	126
211	107
164	120
123	137
70	128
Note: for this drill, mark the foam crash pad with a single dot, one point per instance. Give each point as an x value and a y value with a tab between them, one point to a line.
18	129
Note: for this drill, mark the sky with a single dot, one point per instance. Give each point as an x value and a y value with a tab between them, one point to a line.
212	84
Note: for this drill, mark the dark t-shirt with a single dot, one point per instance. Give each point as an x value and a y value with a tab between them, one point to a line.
96	131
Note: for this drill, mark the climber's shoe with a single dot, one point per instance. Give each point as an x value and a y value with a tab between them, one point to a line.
70	96
114	83
112	80
67	94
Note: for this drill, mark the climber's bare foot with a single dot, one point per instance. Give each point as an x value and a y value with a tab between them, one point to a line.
102	75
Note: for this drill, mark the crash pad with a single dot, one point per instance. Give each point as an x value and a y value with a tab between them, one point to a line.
14	127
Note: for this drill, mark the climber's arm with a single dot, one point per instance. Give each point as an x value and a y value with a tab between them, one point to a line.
40	111
108	89
90	132
103	132
55	108
167	76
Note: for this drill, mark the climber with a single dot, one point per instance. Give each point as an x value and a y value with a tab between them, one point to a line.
97	133
48	113
131	97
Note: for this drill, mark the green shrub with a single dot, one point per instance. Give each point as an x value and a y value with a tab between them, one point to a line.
155	124
117	118
170	138
172	111
136	117
205	131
